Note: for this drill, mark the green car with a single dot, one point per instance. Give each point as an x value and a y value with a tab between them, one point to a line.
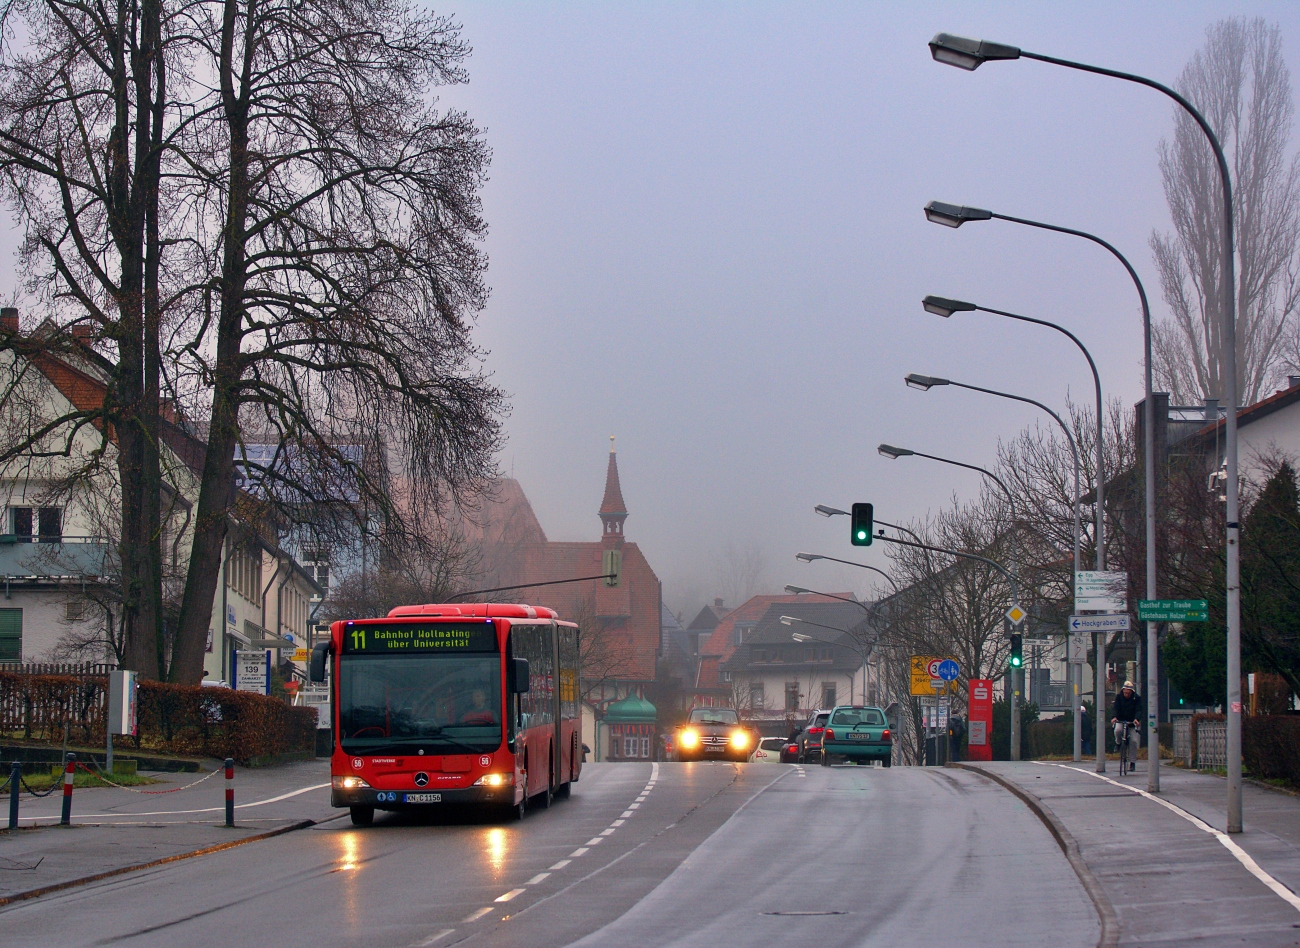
856	733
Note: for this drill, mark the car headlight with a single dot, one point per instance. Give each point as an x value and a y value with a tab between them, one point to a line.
350	783
690	738
495	780
739	739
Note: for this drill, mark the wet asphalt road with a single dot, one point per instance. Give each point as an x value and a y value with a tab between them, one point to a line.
681	854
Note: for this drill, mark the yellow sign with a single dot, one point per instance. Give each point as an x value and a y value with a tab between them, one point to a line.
1016	615
301	655
925	677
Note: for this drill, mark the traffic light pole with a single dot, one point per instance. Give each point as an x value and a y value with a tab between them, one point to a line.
1015	597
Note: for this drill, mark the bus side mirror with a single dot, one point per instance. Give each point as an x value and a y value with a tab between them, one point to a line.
318	655
520	684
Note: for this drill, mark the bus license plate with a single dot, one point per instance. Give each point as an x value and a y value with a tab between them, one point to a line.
422	798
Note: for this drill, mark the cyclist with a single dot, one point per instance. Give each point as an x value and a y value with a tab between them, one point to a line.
1127	708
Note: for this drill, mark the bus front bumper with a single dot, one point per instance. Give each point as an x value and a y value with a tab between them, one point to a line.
398	799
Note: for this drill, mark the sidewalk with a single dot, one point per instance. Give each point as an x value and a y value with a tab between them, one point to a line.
1168	880
117	828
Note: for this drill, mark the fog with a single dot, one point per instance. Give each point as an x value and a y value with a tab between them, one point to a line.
707	239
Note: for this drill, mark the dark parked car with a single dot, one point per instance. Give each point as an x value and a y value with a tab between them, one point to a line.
714	734
810	738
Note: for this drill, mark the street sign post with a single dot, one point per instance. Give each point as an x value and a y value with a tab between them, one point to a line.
1113	623
1173	610
949	670
1078	648
253	671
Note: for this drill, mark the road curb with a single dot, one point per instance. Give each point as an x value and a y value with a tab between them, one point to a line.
207	850
1105	911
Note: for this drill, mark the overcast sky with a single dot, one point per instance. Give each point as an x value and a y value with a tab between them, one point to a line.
707	239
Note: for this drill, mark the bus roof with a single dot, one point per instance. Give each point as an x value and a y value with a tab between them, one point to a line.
491	610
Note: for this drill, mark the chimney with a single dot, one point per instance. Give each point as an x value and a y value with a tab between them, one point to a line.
1211	411
1292	381
9	319
717	605
84	333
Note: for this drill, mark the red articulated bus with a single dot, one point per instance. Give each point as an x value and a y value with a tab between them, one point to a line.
452	704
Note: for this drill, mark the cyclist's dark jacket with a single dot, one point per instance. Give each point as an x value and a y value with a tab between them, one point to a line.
1128	709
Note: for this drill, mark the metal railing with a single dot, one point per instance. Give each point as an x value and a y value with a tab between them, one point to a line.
1211	744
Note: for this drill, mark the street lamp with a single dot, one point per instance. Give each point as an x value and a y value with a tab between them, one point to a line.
952	215
969	54
926	382
941	306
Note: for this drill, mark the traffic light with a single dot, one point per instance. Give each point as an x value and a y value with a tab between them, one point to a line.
862	525
1017	650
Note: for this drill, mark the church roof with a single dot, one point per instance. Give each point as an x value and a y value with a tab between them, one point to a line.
613	502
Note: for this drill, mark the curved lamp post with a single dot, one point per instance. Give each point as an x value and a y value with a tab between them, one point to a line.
952	215
924	383
969	54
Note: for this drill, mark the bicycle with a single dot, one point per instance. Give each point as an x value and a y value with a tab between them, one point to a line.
1123	748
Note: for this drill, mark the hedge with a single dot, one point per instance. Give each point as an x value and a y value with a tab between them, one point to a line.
178	719
1270	746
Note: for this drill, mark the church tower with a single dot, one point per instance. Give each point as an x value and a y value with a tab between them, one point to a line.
613	510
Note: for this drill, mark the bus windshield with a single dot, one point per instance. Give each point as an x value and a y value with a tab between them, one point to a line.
438	704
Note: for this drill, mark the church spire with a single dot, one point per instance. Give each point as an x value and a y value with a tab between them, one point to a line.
613	510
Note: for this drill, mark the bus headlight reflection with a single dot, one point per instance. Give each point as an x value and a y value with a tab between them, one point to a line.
495	780
350	783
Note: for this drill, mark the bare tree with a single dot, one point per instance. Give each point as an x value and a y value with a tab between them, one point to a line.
1240	83
741	573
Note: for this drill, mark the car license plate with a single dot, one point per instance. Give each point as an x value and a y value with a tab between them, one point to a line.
859	737
422	798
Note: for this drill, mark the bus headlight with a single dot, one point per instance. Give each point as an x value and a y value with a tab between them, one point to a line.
739	739
495	780
350	783
690	738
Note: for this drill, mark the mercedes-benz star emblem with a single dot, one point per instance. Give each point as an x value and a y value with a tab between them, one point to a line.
422	779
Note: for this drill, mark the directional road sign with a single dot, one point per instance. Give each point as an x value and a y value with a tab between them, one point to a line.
949	670
1114	623
1097	591
1173	610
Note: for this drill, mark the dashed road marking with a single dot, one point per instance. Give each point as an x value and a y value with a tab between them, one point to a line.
561	864
537	878
475	916
594	841
618	823
625	814
578	852
435	937
509	895
607	832
633	806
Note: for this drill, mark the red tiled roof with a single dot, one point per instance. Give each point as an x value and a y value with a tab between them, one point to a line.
721	642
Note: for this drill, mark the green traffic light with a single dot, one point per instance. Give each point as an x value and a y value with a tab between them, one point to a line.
862	534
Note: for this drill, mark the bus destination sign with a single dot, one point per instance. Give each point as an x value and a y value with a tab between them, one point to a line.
423	638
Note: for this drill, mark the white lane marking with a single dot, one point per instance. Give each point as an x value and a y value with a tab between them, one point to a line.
634	806
654	771
537	878
607	832
435	937
641	799
561	864
509	895
1243	857
594	840
625	814
578	852
475	916
618	823
210	809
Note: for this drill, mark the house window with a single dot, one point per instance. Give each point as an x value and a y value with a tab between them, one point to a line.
74	610
741	631
629	747
756	696
645	747
828	694
792	696
760	655
725	676
47	521
317	565
11	635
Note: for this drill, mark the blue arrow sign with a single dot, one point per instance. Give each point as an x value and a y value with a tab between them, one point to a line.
949	670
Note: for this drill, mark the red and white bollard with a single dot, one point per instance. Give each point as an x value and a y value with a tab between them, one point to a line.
68	773
230	791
